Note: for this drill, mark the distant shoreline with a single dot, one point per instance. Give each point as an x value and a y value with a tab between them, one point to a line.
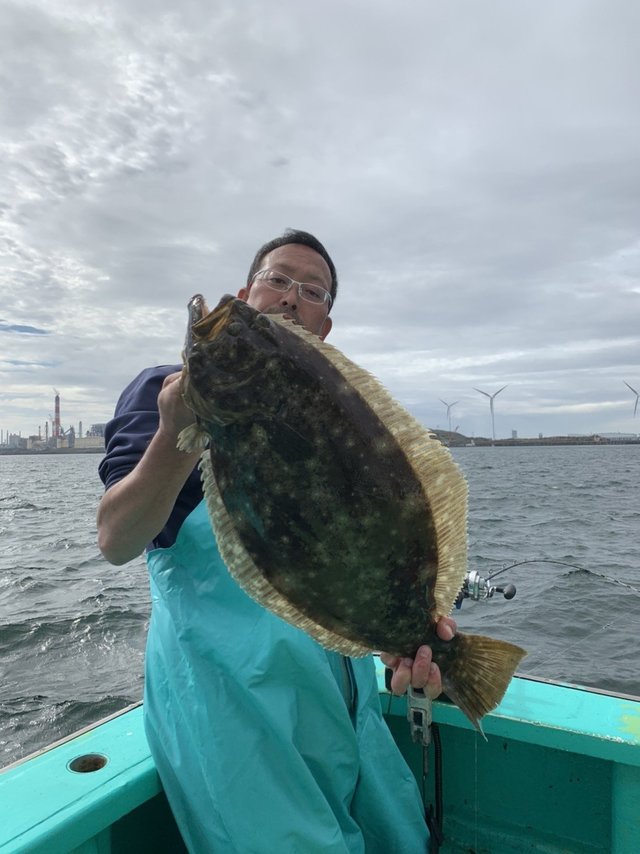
31	452
451	440
456	440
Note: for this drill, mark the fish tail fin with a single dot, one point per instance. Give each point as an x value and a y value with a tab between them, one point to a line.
476	672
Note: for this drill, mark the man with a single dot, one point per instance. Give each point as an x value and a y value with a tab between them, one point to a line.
263	740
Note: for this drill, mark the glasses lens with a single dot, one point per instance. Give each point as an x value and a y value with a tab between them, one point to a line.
275	280
313	293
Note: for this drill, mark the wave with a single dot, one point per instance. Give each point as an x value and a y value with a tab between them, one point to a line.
14	502
30	723
20	637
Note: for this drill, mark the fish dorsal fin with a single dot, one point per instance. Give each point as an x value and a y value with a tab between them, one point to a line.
249	577
444	485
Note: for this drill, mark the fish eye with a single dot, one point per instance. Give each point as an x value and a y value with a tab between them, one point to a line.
242	309
262	321
234	328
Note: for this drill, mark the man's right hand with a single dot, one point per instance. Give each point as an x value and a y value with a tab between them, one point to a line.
174	413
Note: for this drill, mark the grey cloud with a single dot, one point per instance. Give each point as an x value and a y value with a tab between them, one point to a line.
22	329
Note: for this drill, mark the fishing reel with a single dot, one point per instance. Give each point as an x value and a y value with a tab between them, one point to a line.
476	587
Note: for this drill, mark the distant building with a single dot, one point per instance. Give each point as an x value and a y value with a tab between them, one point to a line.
514	434
90	442
618	437
35	443
96	430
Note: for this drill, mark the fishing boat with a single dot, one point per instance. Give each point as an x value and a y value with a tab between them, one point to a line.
557	771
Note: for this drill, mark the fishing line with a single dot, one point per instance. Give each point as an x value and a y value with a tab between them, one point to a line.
563	563
576	643
475	789
535	560
565	649
482	587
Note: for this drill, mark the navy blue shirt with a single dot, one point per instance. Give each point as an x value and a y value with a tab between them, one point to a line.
127	436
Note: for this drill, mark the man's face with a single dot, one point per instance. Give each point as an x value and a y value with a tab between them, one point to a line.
304	265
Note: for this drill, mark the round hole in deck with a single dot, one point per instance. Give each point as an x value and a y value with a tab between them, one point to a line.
87	762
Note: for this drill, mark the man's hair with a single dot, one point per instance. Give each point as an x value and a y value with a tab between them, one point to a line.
303	238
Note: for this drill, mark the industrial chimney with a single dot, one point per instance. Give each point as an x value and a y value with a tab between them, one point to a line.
56	417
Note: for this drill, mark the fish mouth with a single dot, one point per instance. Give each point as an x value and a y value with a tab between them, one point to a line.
205	325
221	344
227	360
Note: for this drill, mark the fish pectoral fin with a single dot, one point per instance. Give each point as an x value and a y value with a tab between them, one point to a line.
193	438
477	672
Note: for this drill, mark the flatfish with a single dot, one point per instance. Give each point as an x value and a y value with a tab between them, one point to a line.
331	505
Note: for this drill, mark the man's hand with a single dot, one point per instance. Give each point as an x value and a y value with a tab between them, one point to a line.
174	414
421	671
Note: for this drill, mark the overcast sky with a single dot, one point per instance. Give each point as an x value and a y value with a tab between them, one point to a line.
472	167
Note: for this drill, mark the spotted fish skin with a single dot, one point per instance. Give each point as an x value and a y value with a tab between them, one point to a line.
321	505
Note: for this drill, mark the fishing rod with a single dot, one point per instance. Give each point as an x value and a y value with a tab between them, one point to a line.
476	586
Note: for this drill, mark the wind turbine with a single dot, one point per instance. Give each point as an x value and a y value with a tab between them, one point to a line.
491	397
637	394
449	408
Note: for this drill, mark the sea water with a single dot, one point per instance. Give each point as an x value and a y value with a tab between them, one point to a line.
72	627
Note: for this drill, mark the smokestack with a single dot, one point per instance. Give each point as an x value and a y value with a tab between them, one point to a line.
56	417
80	430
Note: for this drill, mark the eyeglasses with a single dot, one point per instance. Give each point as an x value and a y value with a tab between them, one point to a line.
306	291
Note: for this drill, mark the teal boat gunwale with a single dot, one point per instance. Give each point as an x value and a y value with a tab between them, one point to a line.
552	714
49	808
73	735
